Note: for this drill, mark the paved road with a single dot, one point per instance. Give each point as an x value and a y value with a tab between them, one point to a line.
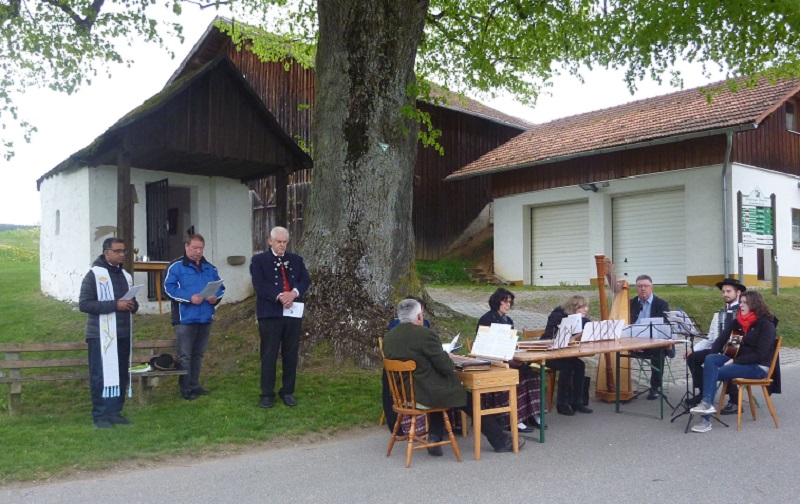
602	457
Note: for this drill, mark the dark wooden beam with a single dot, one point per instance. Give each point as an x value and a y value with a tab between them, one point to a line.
125	204
281	184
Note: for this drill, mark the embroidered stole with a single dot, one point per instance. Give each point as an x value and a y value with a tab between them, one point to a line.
108	332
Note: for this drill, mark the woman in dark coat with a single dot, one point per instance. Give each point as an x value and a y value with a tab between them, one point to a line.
528	390
571	370
758	325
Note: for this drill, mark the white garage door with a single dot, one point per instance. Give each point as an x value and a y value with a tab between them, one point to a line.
560	245
649	237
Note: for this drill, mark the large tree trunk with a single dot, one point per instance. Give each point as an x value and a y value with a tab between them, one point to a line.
358	242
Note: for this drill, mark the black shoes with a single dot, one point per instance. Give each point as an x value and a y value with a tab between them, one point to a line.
435	451
653	395
266	402
694	401
730	409
288	400
565	409
200	391
581	408
508	446
120	420
189	395
103	424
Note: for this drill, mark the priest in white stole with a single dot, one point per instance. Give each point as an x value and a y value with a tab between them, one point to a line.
108	333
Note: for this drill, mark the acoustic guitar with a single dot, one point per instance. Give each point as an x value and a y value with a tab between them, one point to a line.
731	348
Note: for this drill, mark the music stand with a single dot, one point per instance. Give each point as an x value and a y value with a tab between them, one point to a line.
652	331
687	326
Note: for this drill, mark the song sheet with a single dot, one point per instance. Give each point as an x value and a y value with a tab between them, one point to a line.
563	335
654	331
574	323
449	347
602	330
131	293
294	311
683	324
210	289
497	342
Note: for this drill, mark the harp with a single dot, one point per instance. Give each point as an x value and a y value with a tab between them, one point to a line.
620	310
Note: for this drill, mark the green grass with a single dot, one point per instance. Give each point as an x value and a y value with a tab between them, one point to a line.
444	271
52	435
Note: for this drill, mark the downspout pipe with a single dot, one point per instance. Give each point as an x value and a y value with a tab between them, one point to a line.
725	216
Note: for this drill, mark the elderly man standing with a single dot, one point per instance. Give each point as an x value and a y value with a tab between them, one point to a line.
192	313
280	279
108	333
644	306
436	384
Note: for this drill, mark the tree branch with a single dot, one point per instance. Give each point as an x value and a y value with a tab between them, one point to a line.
206	5
82	24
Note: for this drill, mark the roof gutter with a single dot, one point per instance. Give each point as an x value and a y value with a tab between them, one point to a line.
616	148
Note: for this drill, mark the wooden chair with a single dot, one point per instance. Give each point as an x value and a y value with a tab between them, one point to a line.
401	383
383	413
747	383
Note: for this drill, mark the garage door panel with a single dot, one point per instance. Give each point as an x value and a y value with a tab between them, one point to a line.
560	249
649	236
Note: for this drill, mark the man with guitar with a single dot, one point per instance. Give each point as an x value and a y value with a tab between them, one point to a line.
731	290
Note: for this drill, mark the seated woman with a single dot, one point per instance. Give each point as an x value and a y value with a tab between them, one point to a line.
753	359
528	390
571	370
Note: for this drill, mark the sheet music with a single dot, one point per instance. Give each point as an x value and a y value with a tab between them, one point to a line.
294	311
131	293
654	331
563	335
574	323
449	347
602	330
210	289
498	342
683	324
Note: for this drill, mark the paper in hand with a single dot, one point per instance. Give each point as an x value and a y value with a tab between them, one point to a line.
131	293
294	311
210	289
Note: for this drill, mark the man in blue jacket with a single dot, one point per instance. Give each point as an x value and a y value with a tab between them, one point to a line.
280	279
192	313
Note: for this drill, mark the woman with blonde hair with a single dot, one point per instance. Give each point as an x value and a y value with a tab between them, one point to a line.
571	370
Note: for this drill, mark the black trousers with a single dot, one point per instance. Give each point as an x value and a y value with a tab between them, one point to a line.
695	364
108	407
571	371
490	425
279	334
656	365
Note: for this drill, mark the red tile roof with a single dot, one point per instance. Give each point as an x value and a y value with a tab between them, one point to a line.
673	115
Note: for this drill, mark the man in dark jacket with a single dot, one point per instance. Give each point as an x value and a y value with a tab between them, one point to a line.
108	333
192	312
647	305
436	384
280	279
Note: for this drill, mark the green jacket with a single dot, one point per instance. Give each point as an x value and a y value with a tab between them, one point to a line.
436	384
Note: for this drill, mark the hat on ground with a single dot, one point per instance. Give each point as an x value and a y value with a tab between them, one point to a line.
732	282
164	362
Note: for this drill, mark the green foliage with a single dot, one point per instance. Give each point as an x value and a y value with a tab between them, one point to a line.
444	271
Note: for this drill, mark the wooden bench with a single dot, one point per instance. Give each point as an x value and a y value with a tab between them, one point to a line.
15	370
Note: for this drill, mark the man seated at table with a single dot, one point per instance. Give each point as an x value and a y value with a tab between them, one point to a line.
436	384
644	306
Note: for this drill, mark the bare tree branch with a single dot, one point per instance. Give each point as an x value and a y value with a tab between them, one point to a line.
206	5
83	24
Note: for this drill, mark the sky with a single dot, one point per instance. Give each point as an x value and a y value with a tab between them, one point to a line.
67	123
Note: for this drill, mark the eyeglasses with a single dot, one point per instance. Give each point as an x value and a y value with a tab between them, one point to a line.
509	301
118	251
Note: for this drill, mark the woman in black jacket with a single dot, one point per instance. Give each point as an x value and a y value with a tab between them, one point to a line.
571	370
528	389
752	360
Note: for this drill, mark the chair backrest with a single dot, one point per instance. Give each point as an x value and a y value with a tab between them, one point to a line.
401	382
774	357
532	334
